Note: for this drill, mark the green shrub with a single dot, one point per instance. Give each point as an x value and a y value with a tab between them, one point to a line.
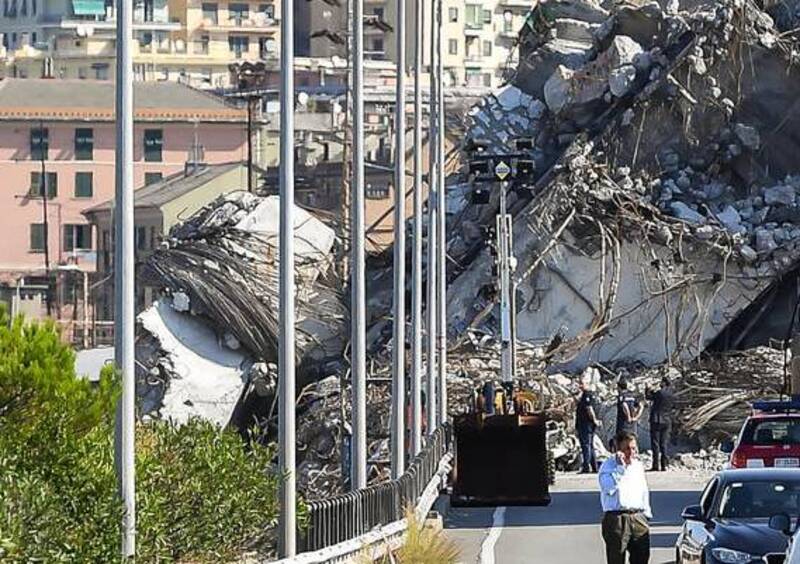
201	493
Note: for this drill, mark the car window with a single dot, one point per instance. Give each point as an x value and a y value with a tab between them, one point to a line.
748	500
707	498
765	432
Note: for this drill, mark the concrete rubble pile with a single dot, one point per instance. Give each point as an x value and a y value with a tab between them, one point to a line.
207	348
664	195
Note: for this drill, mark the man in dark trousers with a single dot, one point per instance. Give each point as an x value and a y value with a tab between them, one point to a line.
625	499
628	409
660	422
586	423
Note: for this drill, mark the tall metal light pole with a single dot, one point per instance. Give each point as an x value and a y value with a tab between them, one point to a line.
399	348
433	177
416	288
358	362
286	355
441	240
125	275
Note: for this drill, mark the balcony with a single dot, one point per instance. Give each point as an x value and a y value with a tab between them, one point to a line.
258	23
472	29
517	4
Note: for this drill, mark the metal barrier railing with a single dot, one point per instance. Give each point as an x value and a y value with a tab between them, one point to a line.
353	514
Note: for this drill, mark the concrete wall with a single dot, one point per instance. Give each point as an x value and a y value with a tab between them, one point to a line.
674	314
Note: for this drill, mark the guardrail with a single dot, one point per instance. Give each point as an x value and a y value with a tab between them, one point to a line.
347	516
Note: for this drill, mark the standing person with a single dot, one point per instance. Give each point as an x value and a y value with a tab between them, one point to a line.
586	423
629	410
660	422
626	504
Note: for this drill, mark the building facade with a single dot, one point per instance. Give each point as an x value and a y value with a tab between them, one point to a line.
57	139
478	37
192	41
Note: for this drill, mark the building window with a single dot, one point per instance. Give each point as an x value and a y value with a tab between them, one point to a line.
82	74
141	238
239	45
145	41
34	37
474	16
84	185
508	21
326	152
84	144
378	12
152	178
487	16
237	13
201	46
452	46
268	10
23	9
33	7
376	192
37	237
100	71
487	48
40	143
452	14
77	237
36	190
377	45
210	13
153	143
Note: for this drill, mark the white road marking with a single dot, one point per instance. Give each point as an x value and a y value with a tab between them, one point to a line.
487	548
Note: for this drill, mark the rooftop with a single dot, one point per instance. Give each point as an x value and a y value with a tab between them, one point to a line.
172	187
93	100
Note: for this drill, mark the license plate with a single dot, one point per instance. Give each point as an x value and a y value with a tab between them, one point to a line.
787	462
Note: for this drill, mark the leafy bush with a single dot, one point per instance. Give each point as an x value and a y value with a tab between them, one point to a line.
201	493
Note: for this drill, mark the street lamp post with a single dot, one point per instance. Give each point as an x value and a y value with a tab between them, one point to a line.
125	275
416	288
286	355
433	177
399	340
358	363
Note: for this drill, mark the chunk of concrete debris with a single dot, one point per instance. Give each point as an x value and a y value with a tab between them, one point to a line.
684	212
621	80
765	241
781	194
623	51
509	97
748	136
180	301
731	219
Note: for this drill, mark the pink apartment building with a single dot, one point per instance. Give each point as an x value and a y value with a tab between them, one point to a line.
66	128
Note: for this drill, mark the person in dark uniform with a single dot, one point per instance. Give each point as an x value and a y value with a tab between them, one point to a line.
660	422
586	423
629	409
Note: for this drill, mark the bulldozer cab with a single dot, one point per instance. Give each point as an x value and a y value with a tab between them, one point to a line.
501	455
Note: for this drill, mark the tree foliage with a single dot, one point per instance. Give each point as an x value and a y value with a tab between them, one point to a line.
201	493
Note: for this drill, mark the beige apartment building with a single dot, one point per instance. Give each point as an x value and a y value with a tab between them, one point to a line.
192	41
478	38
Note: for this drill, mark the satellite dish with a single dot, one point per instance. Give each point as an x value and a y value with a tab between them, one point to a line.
302	98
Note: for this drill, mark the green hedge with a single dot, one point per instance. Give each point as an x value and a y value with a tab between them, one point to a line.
202	495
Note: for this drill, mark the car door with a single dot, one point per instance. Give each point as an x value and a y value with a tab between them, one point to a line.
695	533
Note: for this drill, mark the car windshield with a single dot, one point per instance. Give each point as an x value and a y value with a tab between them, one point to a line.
747	500
783	431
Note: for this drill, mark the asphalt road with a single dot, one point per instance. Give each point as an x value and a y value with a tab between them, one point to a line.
567	531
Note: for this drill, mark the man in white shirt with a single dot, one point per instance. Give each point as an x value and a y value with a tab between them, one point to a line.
626	504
